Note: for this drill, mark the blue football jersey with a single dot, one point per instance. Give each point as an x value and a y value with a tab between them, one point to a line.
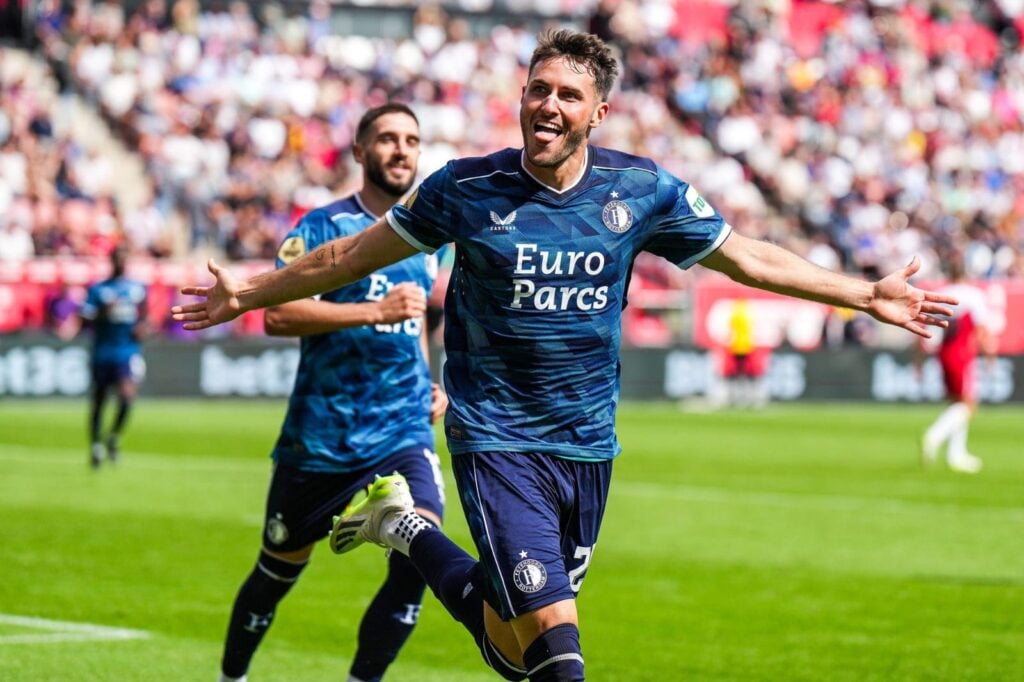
114	306
534	304
361	393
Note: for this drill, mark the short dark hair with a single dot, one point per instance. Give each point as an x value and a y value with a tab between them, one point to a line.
581	49
373	114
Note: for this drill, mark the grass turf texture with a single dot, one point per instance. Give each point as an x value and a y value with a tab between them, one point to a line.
803	542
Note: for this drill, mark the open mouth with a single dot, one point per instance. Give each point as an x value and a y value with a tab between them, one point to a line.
546	132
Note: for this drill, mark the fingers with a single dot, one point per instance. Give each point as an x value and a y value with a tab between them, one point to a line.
918	329
196	326
188	308
190	317
941	298
932	320
438	403
212	266
936	309
195	291
912	267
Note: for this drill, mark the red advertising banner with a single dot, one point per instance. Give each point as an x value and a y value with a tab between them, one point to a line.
801	324
34	293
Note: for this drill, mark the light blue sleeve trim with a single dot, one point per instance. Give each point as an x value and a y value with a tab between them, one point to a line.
404	234
726	231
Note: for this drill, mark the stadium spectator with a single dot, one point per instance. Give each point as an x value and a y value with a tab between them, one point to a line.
879	130
972	329
15	239
545	236
362	405
115	309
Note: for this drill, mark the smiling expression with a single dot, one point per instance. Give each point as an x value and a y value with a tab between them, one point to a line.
560	107
391	153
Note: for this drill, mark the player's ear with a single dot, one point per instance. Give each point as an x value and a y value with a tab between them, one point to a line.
358	152
599	114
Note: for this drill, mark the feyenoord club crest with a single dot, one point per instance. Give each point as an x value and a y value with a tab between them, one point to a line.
277	532
530	575
617	217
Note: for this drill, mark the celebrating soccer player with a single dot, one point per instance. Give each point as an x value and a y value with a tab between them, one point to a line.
362	405
545	238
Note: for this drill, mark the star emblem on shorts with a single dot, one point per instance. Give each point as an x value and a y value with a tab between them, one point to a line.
615	195
522	554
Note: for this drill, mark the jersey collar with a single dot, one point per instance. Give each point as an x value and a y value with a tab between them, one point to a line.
363	208
559	195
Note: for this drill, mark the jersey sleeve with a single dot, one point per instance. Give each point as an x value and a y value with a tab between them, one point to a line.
303	238
91	306
686	228
429	218
976	304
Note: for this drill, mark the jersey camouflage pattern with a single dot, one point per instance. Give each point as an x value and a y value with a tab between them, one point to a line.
534	305
362	393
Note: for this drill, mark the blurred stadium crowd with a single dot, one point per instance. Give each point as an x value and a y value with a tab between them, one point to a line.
856	133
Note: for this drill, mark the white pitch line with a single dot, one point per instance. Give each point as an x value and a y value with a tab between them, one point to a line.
62	631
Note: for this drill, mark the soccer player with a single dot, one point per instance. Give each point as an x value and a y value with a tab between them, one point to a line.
969	331
362	405
116	310
545	238
743	363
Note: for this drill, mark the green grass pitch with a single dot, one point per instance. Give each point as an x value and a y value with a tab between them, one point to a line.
802	542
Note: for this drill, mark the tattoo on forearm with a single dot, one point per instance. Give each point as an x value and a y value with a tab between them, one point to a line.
334	260
320	254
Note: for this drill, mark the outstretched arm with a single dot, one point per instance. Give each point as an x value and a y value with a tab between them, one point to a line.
405	300
332	265
891	299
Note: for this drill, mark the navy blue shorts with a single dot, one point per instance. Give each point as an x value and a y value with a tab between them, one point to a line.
105	374
301	504
535	520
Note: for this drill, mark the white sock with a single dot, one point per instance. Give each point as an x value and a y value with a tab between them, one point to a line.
353	678
957	444
225	678
951	419
400	529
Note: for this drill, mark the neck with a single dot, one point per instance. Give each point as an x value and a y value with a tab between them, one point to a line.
376	200
563	176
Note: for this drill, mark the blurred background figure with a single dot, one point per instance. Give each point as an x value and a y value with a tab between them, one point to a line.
970	331
115	309
744	363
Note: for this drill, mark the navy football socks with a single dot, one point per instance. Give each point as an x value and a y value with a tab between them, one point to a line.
453	576
555	656
456	579
389	620
254	609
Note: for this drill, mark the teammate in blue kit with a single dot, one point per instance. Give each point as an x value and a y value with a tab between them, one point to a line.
545	239
362	405
116	310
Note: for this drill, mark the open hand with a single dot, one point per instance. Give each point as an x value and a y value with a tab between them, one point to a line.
895	301
220	302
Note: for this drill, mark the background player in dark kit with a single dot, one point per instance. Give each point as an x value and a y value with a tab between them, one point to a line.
545	236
